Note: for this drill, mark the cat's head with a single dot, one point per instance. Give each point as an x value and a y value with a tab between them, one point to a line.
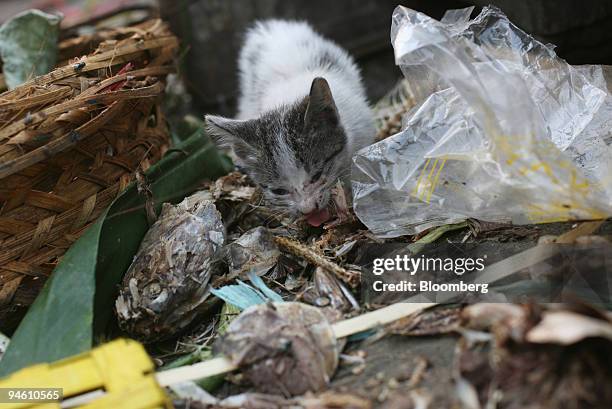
295	153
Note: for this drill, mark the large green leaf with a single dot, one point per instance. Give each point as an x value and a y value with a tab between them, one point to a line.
28	46
77	301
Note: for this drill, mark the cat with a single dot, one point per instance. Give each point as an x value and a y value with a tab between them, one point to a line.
303	112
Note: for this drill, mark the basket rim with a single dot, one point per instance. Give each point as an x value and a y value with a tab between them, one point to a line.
91	95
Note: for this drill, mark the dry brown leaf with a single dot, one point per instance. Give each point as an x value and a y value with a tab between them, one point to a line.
565	328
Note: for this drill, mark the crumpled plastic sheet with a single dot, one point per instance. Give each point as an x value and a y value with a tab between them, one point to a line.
510	132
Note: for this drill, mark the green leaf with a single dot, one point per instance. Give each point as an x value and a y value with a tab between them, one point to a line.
28	46
77	302
434	235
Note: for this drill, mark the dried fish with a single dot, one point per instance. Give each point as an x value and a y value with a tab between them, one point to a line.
282	348
253	252
332	292
165	288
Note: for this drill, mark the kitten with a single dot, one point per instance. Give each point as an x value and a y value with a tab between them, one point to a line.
302	114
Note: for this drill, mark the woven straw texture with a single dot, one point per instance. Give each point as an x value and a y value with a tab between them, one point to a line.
70	141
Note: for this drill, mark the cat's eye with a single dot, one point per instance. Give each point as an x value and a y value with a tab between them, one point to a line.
317	175
279	191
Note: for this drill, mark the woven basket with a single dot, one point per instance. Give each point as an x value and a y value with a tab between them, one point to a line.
70	141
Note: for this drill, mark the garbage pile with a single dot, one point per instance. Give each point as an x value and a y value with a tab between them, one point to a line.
498	132
220	236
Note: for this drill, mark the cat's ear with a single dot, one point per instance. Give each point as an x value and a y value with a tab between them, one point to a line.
321	109
225	131
231	133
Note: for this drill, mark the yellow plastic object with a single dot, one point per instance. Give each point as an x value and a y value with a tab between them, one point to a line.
121	368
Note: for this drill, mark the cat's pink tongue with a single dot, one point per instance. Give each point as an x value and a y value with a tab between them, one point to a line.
318	217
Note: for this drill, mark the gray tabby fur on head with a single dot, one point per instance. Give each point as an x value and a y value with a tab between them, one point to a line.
296	152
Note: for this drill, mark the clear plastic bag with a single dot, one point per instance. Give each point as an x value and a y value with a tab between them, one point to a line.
509	136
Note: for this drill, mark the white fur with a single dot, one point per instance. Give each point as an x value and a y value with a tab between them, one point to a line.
284	72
